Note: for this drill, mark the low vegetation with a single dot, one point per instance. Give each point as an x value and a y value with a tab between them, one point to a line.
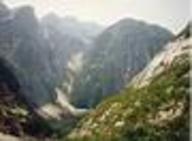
156	112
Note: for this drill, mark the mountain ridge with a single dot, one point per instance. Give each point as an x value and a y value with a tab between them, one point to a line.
118	53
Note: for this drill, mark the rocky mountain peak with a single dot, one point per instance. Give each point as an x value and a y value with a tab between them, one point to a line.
25	20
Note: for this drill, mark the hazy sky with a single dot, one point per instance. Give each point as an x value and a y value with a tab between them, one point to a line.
172	14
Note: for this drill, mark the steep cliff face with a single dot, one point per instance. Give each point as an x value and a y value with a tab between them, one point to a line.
41	51
155	106
22	46
118	53
70	39
39	62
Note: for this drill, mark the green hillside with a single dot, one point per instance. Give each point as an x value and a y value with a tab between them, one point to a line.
156	112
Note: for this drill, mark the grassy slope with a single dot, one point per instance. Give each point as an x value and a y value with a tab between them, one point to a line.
157	112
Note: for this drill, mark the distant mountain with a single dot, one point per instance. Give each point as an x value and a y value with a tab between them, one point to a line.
154	106
118	54
23	46
39	62
72	27
64	44
70	40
